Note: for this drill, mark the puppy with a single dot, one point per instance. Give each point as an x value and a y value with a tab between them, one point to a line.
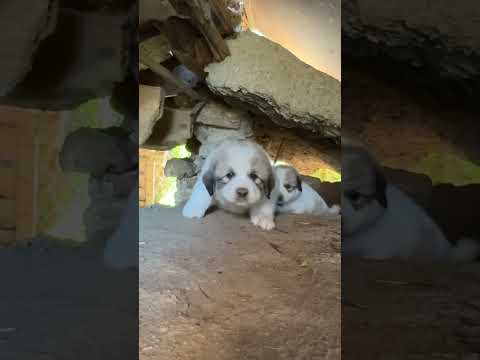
379	221
297	197
237	177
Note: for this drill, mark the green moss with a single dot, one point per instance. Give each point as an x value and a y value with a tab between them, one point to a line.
448	168
179	152
85	115
54	198
327	174
168	188
166	193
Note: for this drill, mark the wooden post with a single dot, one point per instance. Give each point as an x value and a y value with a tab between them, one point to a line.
27	144
8	179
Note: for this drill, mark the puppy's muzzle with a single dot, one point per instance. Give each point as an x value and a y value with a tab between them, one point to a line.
242	193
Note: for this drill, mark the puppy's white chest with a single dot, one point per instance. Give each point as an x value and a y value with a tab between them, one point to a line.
405	231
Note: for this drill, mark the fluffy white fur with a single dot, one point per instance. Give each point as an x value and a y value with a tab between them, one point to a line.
402	229
239	158
299	197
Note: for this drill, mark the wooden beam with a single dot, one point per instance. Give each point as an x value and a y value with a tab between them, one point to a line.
200	12
165	74
7	237
223	16
188	44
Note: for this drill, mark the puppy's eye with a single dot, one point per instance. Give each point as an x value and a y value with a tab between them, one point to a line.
230	175
356	196
254	176
288	187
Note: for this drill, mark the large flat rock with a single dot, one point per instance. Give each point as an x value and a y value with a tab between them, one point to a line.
19	43
423	33
268	77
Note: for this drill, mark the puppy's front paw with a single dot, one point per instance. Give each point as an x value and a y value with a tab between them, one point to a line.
191	211
265	222
335	209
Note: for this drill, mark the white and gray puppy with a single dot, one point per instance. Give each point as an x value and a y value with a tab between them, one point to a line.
379	221
297	197
238	177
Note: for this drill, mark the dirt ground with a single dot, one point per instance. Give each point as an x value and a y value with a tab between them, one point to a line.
221	289
395	311
61	303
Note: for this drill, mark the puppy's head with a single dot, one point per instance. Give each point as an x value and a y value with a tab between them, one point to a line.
290	186
364	198
240	173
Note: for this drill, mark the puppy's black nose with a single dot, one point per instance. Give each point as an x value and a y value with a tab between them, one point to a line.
242	192
280	198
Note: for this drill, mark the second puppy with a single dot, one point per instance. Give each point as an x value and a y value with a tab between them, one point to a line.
297	197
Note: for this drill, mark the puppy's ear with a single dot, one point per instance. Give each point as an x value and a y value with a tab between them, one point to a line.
299	183
381	188
270	184
209	181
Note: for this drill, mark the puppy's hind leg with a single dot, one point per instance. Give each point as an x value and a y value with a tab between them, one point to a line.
262	215
199	202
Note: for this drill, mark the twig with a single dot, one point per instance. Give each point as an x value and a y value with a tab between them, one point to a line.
404	283
351	304
204	293
275	247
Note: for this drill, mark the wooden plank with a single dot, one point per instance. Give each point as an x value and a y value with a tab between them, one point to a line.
27	136
7	237
188	45
8	143
30	122
225	24
26	191
7	182
200	11
141	194
149	182
7	213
